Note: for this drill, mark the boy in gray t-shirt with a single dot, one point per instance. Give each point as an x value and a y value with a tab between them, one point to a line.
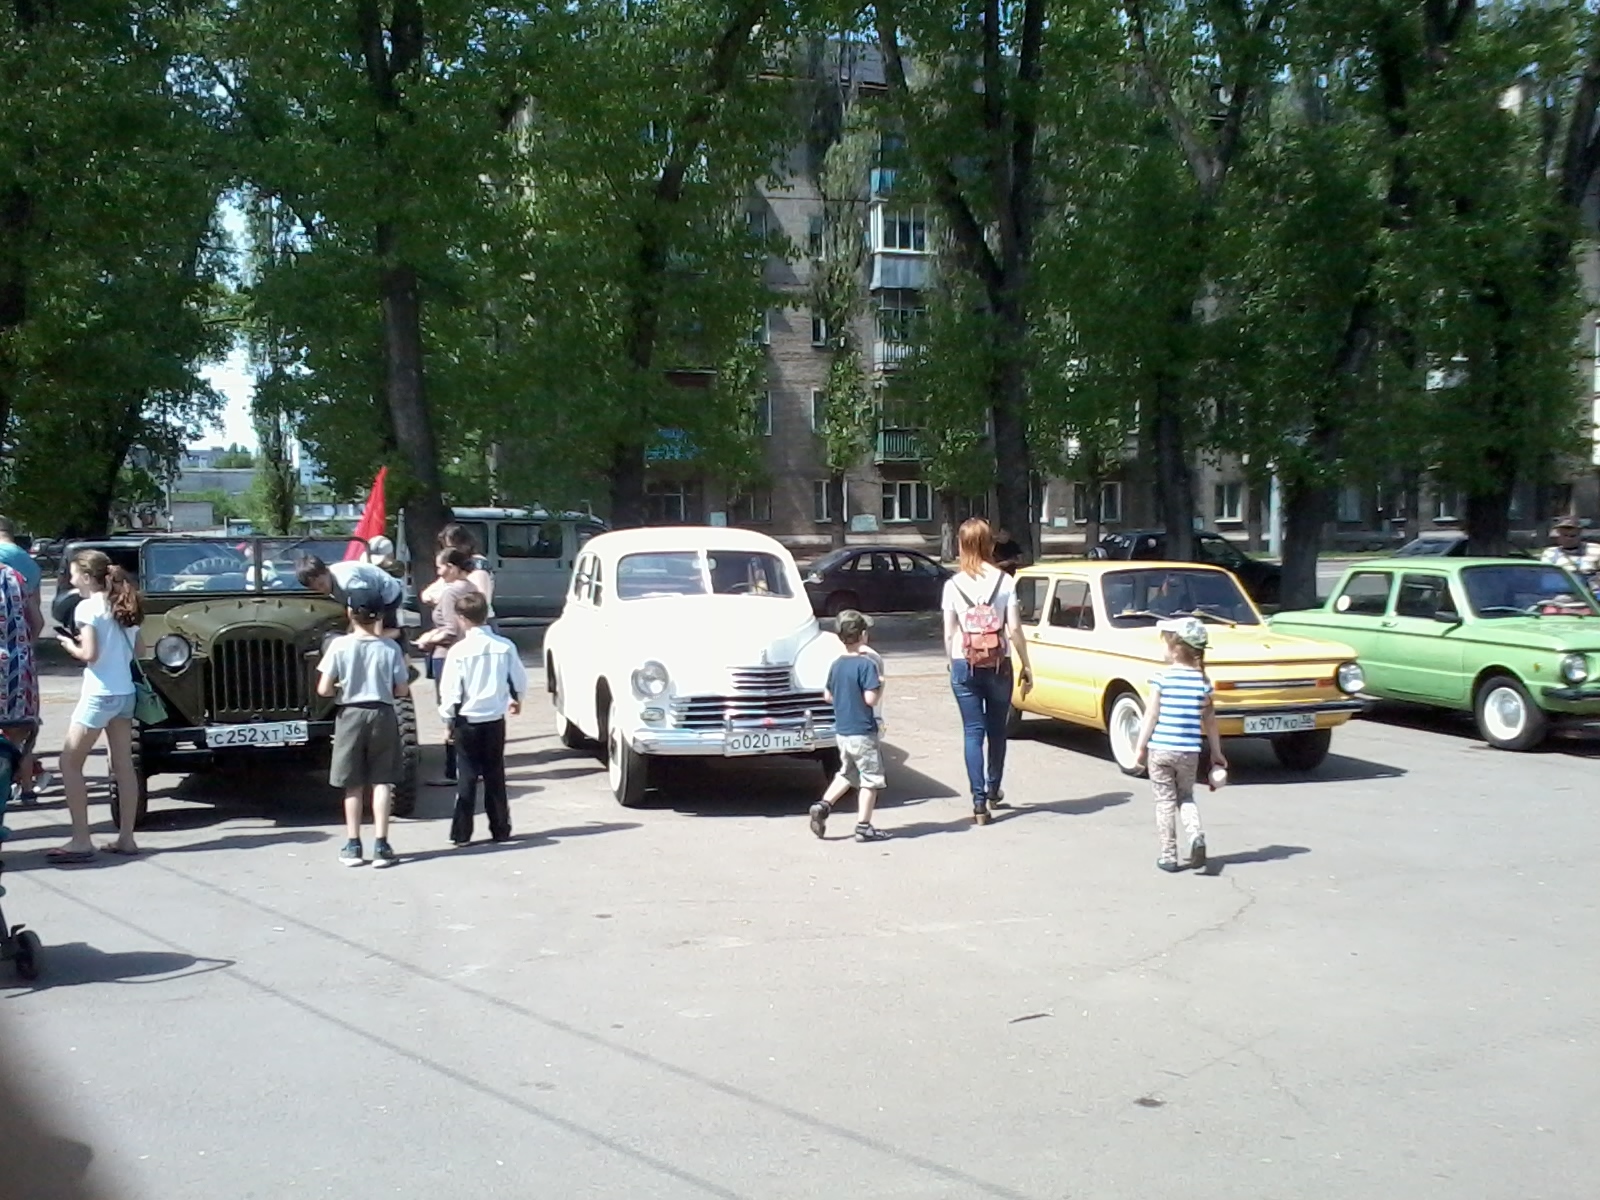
367	671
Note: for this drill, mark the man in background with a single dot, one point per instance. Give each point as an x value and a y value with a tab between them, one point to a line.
1572	552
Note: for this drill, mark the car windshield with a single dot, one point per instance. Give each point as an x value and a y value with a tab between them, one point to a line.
1135	598
1533	590
697	573
234	564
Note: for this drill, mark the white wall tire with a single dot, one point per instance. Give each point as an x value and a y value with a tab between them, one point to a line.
627	770
1123	723
1508	719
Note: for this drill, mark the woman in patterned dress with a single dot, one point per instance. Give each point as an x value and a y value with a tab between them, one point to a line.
19	702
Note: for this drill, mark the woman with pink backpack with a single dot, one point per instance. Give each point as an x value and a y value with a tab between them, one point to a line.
981	630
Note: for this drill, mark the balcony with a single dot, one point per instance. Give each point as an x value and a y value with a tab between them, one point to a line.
897	445
888	355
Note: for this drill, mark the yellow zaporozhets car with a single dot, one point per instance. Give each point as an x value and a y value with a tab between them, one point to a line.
1094	649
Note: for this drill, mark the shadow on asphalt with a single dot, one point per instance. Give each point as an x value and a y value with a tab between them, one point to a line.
521	841
1449	723
1250	760
1082	807
1217	863
76	963
777	786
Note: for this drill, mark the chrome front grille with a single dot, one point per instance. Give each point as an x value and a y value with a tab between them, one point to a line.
761	681
1268	685
787	711
248	677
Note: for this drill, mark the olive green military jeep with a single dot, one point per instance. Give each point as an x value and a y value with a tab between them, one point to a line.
231	642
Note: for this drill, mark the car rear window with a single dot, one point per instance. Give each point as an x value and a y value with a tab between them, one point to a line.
687	573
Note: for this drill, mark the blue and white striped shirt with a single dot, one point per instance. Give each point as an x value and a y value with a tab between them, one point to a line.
1183	692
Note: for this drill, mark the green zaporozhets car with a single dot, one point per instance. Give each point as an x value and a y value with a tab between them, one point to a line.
1515	643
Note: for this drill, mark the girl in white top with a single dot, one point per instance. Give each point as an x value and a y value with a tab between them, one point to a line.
983	694
107	643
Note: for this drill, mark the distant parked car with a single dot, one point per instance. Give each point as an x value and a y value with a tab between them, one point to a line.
1262	580
874	579
1444	543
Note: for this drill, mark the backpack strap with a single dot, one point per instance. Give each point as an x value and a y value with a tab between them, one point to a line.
970	602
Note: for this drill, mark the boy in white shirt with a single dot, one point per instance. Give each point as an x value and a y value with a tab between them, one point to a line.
482	680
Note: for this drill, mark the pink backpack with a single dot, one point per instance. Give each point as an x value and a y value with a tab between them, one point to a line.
981	625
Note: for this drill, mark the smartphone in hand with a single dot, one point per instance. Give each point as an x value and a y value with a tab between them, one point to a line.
63	631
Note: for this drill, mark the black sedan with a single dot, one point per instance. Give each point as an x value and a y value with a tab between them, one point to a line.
874	579
1262	580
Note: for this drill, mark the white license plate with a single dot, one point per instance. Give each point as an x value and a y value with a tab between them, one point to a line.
766	741
1280	723
268	733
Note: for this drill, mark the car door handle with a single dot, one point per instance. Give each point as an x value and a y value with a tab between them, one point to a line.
1390	624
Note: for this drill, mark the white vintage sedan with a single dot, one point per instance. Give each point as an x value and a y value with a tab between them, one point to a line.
688	640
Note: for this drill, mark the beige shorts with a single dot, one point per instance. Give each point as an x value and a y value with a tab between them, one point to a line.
860	762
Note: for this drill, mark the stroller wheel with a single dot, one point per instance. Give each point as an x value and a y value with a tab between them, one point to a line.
27	954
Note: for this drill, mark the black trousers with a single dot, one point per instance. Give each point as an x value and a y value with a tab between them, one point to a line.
481	751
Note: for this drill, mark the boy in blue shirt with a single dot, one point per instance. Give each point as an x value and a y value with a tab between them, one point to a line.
854	688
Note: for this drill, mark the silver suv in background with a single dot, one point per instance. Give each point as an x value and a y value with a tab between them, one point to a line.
530	551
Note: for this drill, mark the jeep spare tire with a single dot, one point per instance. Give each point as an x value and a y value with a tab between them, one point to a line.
405	792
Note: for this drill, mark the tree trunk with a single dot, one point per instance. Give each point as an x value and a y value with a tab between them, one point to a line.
1488	514
401	305
1307	507
836	509
627	486
1013	476
1174	473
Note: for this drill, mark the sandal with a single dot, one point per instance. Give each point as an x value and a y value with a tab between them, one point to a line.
113	848
61	856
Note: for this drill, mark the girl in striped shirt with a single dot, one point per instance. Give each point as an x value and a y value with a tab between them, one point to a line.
1177	726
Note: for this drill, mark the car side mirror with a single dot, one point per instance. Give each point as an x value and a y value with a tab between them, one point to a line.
1447	618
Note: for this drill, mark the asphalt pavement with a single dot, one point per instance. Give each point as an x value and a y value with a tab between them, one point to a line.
1383	985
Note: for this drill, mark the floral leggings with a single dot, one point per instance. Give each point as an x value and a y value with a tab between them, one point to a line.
1172	775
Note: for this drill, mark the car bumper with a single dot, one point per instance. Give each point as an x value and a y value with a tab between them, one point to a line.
1573	709
713	743
1328	714
179	743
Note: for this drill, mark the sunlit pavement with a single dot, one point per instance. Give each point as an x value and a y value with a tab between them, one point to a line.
1382	987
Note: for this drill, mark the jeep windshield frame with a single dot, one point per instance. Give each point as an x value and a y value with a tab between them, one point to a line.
233	566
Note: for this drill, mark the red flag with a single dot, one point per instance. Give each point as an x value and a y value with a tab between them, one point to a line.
372	518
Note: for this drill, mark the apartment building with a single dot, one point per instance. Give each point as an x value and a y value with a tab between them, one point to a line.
886	497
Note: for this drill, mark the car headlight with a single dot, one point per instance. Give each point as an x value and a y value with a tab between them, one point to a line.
650	681
1351	678
813	577
174	652
1575	668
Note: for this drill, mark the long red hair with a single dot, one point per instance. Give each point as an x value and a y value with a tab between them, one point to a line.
976	542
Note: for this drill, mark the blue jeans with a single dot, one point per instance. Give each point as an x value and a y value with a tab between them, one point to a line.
984	698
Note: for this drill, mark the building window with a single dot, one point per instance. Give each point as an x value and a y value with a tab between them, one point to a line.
753	507
821	510
1597	356
901	229
755	223
671	503
907	501
1110	503
1447	506
761	335
819	330
819	410
764	415
1228	502
900	312
814	235
1350	503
